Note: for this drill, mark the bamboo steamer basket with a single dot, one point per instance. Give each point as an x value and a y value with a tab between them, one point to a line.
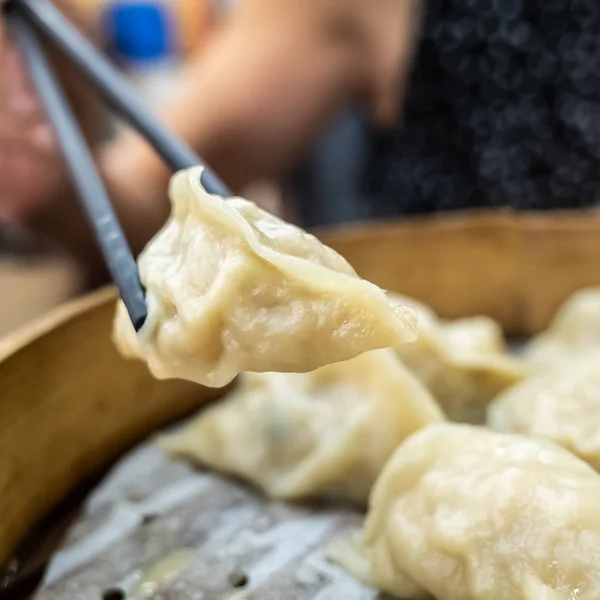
70	405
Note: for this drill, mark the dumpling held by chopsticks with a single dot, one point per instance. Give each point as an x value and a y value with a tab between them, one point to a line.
232	288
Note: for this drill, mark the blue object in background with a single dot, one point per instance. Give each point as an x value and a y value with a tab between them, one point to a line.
139	32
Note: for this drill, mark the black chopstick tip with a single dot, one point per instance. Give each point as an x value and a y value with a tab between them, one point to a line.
138	320
134	299
138	323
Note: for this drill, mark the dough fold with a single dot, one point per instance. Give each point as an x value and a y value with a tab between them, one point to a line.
560	404
575	328
463	362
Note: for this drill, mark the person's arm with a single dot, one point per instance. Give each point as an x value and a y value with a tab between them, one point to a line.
279	70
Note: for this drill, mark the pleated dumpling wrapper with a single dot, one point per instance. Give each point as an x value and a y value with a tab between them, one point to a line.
561	404
575	328
462	512
326	433
463	362
232	288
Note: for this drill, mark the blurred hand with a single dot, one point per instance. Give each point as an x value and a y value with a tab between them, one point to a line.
390	30
274	76
32	174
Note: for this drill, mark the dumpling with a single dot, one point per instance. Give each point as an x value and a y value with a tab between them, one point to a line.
325	433
460	512
473	335
561	404
232	288
575	328
463	363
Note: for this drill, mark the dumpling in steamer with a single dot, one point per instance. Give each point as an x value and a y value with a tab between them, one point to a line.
460	512
463	363
575	328
325	433
232	288
561	404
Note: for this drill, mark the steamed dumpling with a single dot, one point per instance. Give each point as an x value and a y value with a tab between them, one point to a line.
463	513
575	328
232	288
463	363
325	433
561	404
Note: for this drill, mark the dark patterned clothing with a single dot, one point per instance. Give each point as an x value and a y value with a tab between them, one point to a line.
503	109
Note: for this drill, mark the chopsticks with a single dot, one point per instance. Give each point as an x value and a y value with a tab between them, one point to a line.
80	162
25	18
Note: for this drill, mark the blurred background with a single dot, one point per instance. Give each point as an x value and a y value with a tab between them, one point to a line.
500	110
150	40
